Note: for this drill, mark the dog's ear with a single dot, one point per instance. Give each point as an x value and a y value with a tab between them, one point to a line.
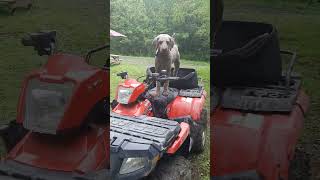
171	43
155	42
174	36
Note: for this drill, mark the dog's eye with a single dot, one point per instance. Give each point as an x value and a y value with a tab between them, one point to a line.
160	42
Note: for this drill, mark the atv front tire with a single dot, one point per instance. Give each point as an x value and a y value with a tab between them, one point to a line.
172	168
199	137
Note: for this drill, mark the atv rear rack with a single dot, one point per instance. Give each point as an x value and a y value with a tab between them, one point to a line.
271	98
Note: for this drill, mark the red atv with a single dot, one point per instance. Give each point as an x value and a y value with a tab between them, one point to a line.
62	127
258	110
145	129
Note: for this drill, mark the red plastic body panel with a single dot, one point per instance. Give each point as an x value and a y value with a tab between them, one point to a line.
82	153
91	85
184	133
134	109
138	87
186	106
266	147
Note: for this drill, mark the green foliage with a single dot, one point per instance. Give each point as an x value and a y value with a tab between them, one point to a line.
142	20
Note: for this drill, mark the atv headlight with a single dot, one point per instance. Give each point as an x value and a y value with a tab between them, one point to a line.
130	165
124	95
45	105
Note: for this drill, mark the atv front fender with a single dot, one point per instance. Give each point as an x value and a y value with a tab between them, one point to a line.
184	133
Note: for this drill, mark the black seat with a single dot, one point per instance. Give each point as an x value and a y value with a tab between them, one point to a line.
245	53
190	83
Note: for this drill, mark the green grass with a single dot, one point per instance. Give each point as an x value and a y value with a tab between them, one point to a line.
299	29
80	24
136	67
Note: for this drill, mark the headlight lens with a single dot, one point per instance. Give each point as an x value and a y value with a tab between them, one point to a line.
124	95
45	105
130	165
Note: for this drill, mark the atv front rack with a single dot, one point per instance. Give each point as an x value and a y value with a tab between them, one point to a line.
142	137
128	133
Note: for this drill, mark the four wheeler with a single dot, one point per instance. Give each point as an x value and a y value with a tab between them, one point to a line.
258	111
12	5
62	126
145	128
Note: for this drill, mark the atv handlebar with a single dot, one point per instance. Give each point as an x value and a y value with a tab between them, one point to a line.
164	77
43	42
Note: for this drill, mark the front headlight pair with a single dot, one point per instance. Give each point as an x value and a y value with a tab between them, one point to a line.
130	165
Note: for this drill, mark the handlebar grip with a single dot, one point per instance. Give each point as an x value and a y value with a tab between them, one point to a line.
149	72
27	41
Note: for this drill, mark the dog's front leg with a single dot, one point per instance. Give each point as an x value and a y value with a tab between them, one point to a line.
158	85
165	88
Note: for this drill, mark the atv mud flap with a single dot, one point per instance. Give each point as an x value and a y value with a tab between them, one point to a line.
11	170
137	143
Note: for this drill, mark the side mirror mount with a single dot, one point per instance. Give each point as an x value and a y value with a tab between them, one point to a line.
123	75
43	42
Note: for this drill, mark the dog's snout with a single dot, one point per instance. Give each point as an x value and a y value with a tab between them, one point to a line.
164	47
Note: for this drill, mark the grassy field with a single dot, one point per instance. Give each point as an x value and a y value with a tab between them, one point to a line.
299	29
80	24
136	67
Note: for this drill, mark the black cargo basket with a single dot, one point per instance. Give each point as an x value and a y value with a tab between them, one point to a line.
190	83
245	53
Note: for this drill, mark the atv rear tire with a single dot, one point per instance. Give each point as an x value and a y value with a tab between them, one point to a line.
172	168
199	137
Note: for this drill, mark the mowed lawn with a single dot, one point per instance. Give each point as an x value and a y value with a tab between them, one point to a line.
298	26
136	67
80	25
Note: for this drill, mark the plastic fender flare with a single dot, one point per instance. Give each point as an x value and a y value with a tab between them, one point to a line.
183	134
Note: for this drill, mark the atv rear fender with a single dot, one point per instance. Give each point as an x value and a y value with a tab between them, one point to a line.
186	106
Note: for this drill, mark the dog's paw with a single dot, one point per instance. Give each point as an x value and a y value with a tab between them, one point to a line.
155	94
165	93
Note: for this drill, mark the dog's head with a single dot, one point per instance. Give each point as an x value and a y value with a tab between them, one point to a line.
163	43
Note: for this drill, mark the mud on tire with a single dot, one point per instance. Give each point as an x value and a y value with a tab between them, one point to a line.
199	137
172	168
